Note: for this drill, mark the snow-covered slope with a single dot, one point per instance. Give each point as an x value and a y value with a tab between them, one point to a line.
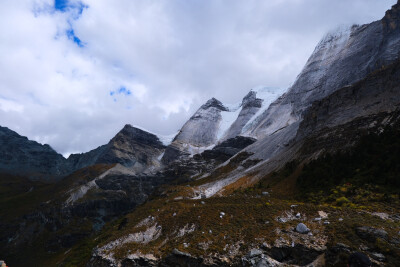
252	106
201	131
215	122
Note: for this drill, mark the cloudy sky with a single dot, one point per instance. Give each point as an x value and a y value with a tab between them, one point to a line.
72	73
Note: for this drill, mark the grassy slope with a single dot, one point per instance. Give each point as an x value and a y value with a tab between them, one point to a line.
20	196
320	185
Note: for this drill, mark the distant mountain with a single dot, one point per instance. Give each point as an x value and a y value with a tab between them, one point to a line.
18	155
131	147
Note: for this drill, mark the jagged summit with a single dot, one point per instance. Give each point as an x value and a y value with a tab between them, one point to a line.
251	100
139	136
213	102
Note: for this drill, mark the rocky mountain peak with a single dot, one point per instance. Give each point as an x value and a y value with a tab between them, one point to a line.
213	102
139	136
251	100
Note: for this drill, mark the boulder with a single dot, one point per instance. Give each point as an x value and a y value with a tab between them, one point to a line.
371	234
302	228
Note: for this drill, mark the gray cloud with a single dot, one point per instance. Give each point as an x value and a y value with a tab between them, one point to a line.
171	55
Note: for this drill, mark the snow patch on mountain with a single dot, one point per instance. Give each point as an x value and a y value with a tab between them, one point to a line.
333	42
268	95
228	118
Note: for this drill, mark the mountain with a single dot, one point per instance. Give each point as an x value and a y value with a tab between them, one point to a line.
18	155
215	122
131	147
301	178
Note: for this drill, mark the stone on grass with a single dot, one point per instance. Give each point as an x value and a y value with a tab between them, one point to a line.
378	256
322	214
302	228
254	252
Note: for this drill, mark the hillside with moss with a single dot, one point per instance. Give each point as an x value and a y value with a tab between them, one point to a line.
333	195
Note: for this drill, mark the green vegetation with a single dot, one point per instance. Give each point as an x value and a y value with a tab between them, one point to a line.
375	160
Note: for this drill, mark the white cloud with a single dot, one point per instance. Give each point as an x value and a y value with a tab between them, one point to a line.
10	105
171	55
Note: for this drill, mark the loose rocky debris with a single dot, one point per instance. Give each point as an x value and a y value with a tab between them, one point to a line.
378	256
186	230
286	216
138	259
144	237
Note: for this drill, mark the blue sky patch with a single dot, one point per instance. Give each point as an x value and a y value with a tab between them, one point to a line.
71	35
61	5
120	91
64	5
123	90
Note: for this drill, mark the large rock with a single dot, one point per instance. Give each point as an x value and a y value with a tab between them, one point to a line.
302	228
371	234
